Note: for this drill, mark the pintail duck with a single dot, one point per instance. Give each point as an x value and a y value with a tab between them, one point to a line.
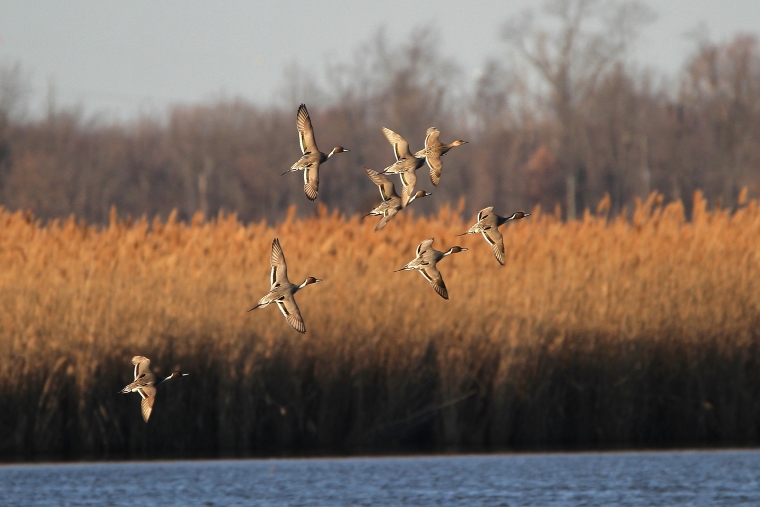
488	224
282	291
312	157
146	383
433	151
425	263
391	201
405	166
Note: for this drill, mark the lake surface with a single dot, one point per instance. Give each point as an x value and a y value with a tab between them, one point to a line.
699	478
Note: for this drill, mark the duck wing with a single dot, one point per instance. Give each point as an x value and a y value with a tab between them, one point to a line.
289	308
387	215
311	181
496	240
400	146
484	213
387	189
142	365
435	164
279	273
408	180
431	137
433	276
305	131
146	406
425	246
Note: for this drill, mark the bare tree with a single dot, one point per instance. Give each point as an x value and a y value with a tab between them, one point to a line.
14	91
722	86
586	37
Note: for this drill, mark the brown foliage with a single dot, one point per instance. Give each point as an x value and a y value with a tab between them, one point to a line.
595	332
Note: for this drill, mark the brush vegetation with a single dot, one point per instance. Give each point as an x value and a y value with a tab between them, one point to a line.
608	330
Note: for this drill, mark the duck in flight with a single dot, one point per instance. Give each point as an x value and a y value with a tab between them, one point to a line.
281	291
146	383
488	225
425	263
433	151
312	157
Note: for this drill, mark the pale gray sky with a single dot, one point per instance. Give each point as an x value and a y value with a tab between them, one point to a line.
123	58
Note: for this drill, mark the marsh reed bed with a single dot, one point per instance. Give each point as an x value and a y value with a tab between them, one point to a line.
636	331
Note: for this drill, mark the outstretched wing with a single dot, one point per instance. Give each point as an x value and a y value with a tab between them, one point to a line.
436	165
387	215
433	276
431	137
484	213
279	273
424	246
400	146
289	309
142	365
146	406
408	180
496	240
387	190
311	181
305	130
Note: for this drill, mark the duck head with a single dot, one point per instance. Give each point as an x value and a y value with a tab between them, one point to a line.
518	215
309	280
337	149
418	194
175	374
458	142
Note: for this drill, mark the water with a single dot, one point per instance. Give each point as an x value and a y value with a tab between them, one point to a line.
717	478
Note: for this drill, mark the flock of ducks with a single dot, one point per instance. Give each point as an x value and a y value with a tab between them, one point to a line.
282	291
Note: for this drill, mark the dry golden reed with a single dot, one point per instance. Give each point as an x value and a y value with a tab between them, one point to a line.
599	331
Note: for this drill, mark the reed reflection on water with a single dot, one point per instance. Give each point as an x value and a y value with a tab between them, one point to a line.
701	478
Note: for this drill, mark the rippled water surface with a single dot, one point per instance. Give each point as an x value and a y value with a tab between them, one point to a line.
658	478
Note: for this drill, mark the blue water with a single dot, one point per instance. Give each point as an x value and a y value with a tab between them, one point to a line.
725	478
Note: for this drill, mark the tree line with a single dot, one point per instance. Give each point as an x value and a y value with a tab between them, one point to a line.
562	122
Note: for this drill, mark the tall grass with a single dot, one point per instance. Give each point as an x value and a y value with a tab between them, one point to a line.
602	331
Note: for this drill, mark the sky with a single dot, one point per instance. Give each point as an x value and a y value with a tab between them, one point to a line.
123	59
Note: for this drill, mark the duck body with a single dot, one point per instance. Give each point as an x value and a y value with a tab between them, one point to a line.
488	224
425	262
281	291
146	384
433	151
311	157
